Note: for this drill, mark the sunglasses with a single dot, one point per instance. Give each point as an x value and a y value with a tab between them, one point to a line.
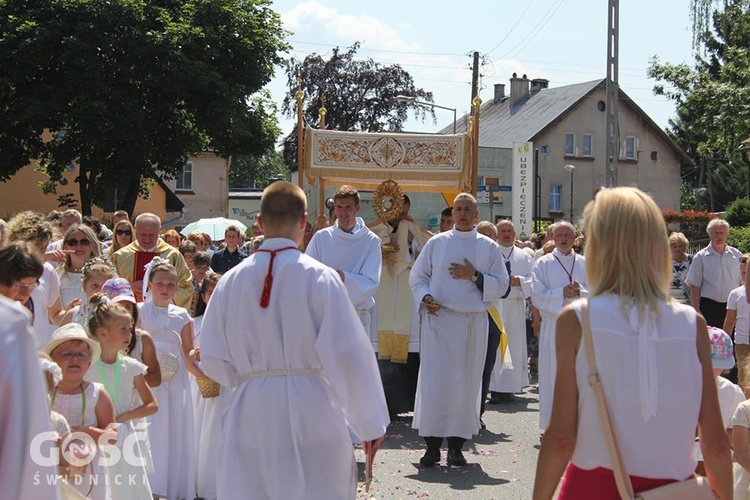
743	260
75	243
70	356
126	232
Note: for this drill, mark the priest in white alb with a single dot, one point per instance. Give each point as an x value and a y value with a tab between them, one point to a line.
506	382
351	249
281	329
558	279
455	279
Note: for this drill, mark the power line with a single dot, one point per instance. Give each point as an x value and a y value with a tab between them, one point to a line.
511	29
383	50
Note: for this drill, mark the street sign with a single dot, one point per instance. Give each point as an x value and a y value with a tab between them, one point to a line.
490	187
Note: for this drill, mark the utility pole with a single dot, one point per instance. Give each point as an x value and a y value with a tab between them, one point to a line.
613	93
475	77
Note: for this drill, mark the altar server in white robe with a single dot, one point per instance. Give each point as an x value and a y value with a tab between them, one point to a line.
455	279
25	415
353	251
558	279
507	381
281	329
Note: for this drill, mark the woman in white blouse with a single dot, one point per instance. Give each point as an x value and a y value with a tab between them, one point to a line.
654	361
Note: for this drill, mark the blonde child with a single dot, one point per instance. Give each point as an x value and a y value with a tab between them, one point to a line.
208	411
738	319
141	346
123	378
85	405
95	273
172	429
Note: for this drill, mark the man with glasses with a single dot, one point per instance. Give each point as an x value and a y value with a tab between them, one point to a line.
147	227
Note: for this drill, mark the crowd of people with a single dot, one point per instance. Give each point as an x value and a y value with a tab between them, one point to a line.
165	366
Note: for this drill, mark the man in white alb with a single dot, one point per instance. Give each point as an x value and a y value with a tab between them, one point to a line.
558	278
507	381
353	251
456	278
281	329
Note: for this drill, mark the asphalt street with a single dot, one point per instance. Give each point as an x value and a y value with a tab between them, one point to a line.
502	459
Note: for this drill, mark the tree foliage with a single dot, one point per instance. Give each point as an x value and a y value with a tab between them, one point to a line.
252	171
711	98
360	95
738	213
129	89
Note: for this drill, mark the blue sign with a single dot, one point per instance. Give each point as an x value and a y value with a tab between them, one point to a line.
497	188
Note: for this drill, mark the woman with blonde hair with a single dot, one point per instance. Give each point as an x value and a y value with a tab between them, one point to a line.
654	366
81	245
679	288
122	236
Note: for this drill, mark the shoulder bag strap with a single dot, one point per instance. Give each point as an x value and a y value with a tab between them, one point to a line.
618	464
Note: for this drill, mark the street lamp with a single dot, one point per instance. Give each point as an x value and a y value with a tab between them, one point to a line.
571	169
413	100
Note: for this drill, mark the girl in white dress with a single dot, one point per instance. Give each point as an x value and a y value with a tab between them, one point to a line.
208	411
85	405
123	377
172	429
95	273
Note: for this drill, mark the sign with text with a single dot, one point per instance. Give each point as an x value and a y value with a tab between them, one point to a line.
523	187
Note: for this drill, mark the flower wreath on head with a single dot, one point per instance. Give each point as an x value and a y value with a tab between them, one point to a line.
148	267
388	200
97	260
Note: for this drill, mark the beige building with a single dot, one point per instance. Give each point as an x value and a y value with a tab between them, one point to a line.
567	126
200	190
203	186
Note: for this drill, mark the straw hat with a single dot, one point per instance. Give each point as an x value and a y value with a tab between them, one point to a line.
72	331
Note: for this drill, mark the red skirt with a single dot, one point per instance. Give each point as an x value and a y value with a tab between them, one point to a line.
599	484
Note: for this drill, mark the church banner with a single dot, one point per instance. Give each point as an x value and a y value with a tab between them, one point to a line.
523	188
419	161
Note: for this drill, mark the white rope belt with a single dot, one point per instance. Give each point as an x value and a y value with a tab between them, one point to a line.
281	373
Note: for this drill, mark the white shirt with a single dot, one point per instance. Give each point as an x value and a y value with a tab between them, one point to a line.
44	297
738	302
716	274
730	397
651	377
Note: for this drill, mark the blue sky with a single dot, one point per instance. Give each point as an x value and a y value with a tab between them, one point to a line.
563	41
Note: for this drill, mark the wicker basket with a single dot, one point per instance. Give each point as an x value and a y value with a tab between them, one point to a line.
208	387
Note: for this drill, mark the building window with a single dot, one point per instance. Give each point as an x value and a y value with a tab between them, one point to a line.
587	144
555	198
185	178
630	148
570	144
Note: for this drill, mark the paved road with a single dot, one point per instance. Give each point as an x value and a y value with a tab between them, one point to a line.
502	459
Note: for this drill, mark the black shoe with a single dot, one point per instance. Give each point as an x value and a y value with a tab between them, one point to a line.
456	458
481	423
507	397
431	457
495	398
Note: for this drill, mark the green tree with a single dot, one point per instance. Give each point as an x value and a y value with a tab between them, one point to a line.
711	99
360	95
250	171
129	89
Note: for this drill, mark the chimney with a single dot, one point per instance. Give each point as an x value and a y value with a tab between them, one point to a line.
519	90
538	84
499	92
